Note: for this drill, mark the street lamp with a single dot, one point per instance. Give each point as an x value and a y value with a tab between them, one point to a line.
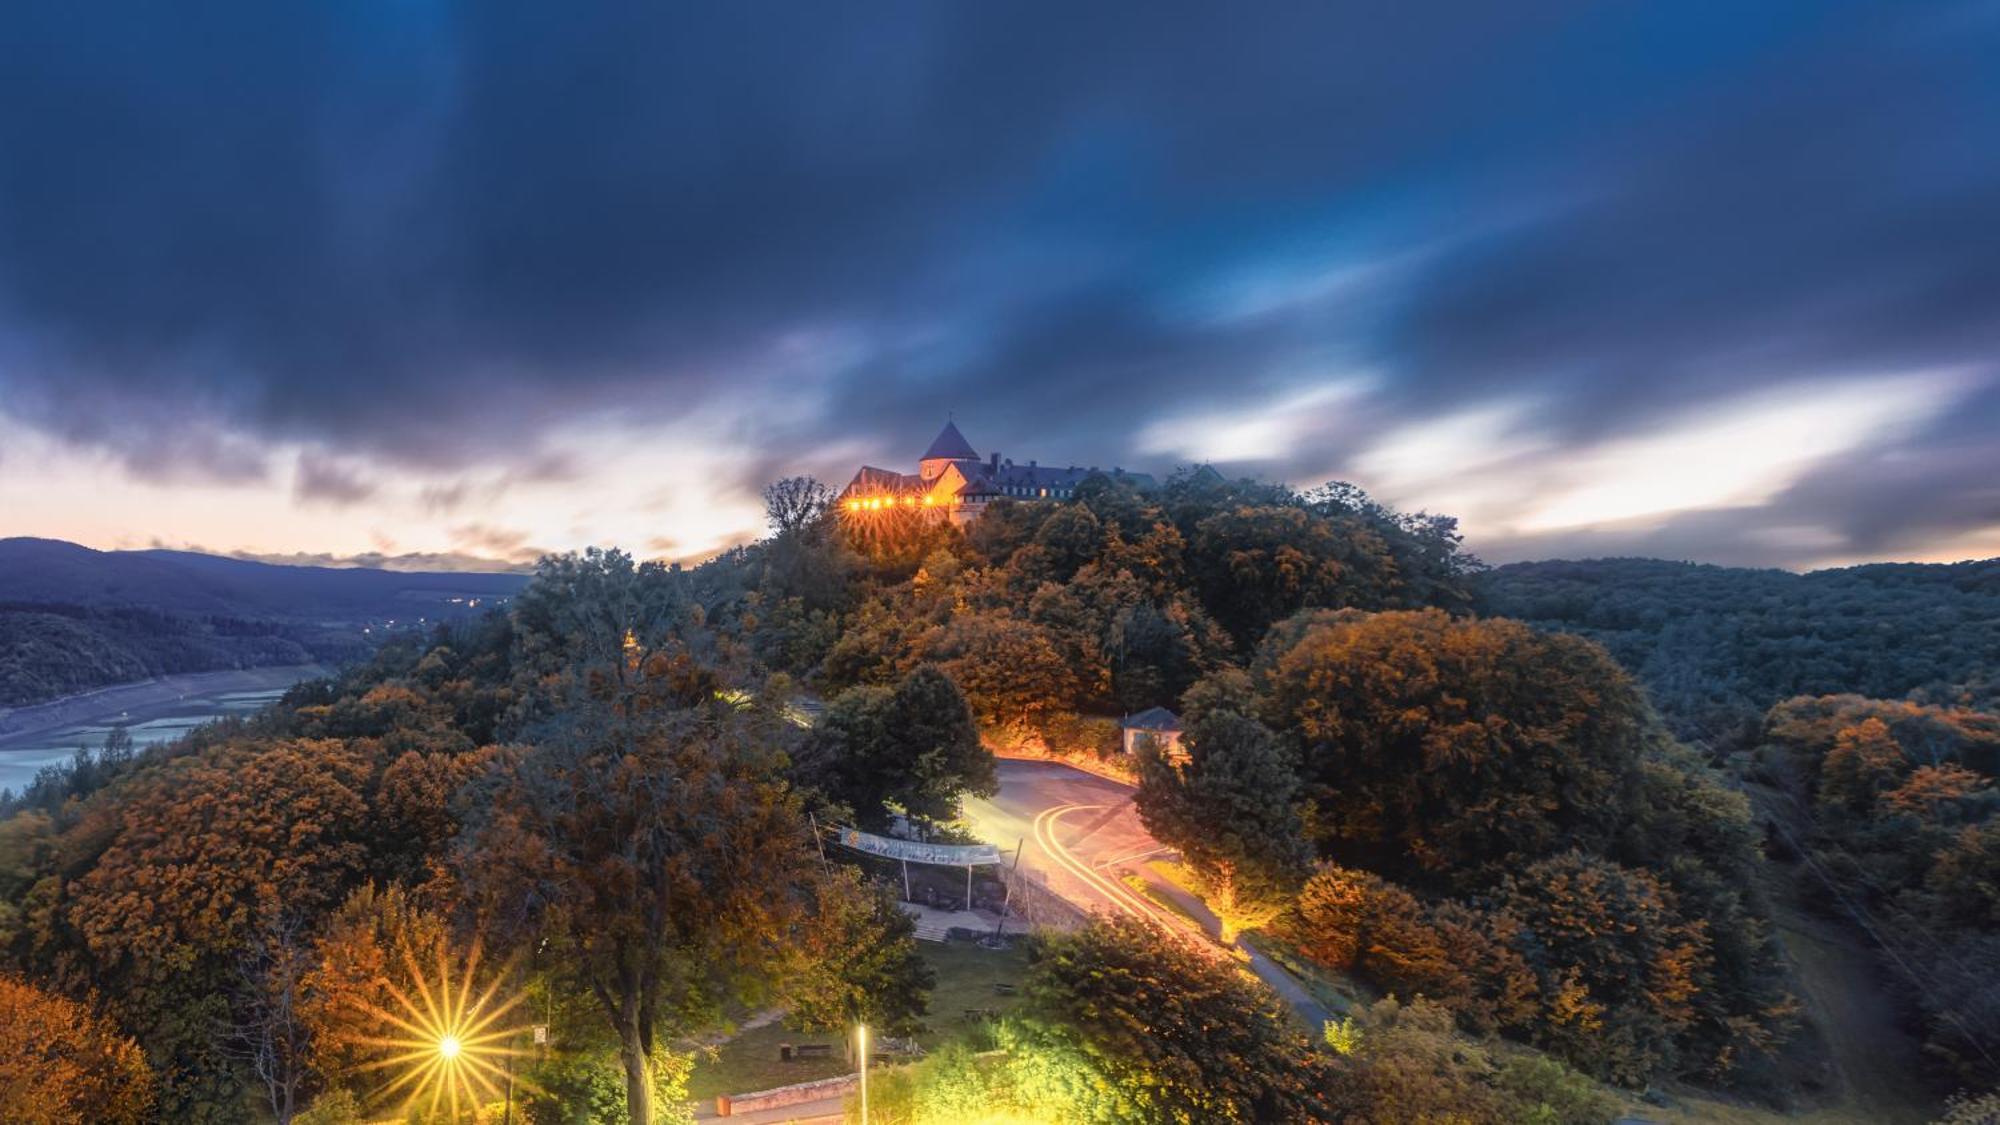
861	1036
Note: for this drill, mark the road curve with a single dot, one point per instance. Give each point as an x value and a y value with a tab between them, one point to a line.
1075	830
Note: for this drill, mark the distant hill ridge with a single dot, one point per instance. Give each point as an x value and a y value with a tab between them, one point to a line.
75	619
54	572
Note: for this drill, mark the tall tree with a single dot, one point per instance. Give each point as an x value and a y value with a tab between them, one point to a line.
794	505
269	1033
915	746
662	854
1231	809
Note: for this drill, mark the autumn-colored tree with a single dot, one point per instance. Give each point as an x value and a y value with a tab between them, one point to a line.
1939	794
1180	1037
1619	967
1865	761
1463	958
367	949
415	803
1010	670
200	855
1231	810
660	853
62	1065
1444	750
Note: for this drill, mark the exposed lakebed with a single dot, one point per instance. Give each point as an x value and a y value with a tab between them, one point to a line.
154	711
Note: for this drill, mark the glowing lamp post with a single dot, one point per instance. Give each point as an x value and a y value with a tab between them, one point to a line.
861	1036
448	1042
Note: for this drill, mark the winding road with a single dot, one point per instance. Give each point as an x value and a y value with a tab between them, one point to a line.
1081	834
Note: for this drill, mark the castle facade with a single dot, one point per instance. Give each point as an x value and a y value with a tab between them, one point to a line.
953	481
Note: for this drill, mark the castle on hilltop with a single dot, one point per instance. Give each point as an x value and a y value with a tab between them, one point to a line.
953	481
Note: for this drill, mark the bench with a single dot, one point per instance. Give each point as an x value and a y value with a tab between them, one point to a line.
787	1052
1002	988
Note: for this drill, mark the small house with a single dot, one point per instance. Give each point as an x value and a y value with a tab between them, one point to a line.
1158	724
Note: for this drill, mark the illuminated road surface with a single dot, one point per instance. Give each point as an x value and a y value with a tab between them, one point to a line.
1079	831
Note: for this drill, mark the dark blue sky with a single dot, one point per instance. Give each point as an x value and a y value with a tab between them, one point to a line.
1717	281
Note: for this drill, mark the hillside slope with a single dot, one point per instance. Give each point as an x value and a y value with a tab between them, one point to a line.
73	619
1717	646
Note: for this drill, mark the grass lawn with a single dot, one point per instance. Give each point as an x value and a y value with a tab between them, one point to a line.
966	975
1164	901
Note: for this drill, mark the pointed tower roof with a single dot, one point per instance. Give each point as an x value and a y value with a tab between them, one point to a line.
950	446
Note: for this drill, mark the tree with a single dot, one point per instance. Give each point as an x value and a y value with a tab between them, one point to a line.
662	855
269	1033
1410	1064
1010	670
857	960
1069	538
1456	955
1179	1036
1864	761
794	505
360	960
200	855
915	746
61	1065
1935	793
1965	881
1619	967
1230	809
1443	751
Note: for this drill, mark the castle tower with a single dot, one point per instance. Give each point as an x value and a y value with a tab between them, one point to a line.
950	446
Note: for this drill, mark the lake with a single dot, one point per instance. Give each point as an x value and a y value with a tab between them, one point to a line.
154	711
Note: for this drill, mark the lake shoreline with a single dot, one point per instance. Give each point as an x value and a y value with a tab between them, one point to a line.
21	726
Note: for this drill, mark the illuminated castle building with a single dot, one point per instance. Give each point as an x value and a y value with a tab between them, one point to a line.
953	481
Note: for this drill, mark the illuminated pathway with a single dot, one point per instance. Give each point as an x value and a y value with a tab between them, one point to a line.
1076	829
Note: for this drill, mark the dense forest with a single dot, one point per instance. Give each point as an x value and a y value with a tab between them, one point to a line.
1860	707
48	651
1716	647
600	798
73	619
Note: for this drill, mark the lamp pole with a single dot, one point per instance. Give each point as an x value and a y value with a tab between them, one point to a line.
861	1035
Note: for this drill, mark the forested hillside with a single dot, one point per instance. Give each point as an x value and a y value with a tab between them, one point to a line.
72	619
1858	706
1485	826
1716	647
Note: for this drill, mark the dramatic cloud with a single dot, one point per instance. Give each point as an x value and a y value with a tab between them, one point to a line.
322	479
491	278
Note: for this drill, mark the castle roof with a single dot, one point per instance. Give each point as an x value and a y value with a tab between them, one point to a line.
872	479
951	446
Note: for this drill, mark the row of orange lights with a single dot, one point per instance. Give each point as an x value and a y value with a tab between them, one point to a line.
873	503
